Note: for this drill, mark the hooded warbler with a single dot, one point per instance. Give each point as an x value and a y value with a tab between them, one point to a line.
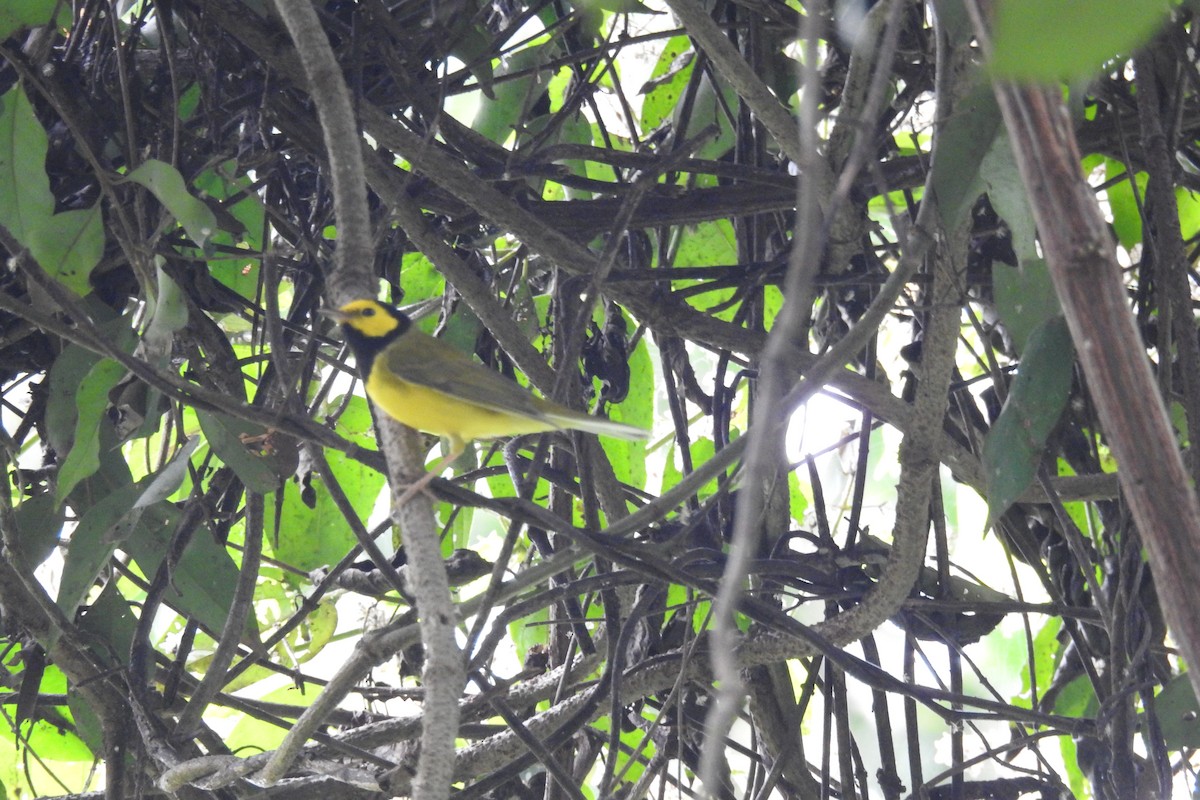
432	386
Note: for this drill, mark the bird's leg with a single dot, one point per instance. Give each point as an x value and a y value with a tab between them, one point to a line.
418	486
422	484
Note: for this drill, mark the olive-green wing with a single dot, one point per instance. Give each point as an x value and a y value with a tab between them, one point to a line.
421	359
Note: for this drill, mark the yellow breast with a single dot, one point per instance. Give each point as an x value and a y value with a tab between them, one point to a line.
442	414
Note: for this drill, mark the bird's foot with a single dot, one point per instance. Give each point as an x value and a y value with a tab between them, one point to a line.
420	486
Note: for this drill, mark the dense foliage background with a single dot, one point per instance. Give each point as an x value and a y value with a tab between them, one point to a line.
191	464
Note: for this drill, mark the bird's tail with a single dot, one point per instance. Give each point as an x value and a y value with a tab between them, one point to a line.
601	426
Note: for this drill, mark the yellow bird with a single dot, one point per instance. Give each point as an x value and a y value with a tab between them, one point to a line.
434	387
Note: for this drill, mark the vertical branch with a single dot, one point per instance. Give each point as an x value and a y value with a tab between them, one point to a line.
444	674
777	371
1082	262
351	276
1164	242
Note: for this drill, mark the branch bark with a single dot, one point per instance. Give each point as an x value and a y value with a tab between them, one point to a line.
444	674
1082	260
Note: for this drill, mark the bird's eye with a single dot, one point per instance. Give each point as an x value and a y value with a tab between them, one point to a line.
368	312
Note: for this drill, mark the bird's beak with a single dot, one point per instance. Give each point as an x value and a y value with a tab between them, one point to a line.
333	314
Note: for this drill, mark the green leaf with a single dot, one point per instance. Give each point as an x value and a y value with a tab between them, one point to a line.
473	46
529	632
239	275
707	110
702	616
1078	784
110	620
242	223
1016	443
1189	213
63	382
317	536
311	537
168	315
461	329
1126	215
1178	713
108	523
1046	647
497	119
420	278
18	14
165	182
236	199
667	82
629	456
53	742
498	481
707	244
87	723
67	245
164	483
576	129
25	199
636	752
1025	298
92	400
317	630
189	101
69	371
702	451
99	532
38	522
225	436
1006	192
962	146
954	20
797	499
203	580
252	735
1077	699
1041	41
615	6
